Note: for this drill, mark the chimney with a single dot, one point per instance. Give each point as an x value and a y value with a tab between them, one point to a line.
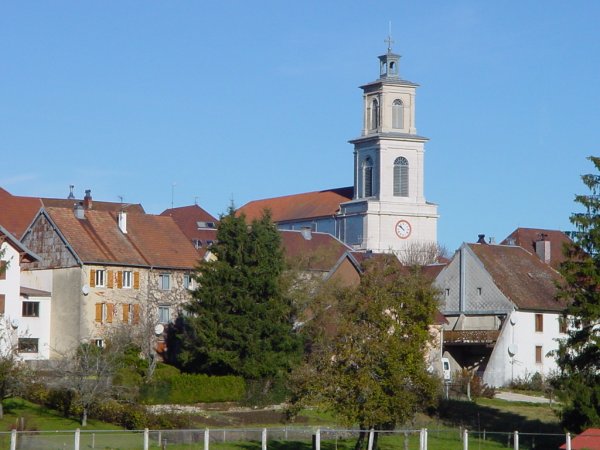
71	195
306	233
79	211
87	200
122	220
542	248
481	239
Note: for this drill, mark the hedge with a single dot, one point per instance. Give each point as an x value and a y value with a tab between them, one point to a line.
184	388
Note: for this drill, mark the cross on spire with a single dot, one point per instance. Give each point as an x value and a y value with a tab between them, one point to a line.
389	39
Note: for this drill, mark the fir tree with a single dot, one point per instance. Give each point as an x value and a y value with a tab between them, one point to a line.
240	320
578	356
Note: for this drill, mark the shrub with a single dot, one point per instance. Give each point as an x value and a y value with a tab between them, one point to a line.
529	382
184	388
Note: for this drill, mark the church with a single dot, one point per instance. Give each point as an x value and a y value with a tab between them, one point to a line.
385	210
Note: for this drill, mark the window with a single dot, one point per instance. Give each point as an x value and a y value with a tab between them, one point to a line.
105	312
127	279
3	266
367	169
99	343
447	292
401	177
187	281
562	325
99	280
27	345
539	323
397	114
374	114
31	309
2	303
164	314
538	354
478	291
165	281
197	243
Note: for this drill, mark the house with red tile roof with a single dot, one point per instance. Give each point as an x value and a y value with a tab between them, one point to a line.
546	244
17	212
25	312
502	311
198	225
108	269
587	440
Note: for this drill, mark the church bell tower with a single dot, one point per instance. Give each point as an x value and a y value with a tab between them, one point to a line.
389	212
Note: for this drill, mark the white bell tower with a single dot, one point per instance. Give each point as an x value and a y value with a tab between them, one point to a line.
389	210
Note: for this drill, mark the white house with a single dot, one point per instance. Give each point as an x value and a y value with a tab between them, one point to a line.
503	315
25	312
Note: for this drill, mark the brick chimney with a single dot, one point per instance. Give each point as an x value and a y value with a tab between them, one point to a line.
87	200
481	239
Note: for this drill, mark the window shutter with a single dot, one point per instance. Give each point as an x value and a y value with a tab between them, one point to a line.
2	303
126	313
136	313
119	279
92	278
98	312
110	279
136	280
110	310
3	267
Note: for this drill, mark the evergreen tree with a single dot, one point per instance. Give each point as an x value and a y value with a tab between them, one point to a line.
240	320
369	368
578	356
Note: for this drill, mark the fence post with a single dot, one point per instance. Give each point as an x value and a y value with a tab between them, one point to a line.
146	439
425	433
77	436
13	439
371	436
423	439
206	439
568	446
264	439
516	441
317	440
465	439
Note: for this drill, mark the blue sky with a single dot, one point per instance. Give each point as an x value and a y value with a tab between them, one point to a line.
245	100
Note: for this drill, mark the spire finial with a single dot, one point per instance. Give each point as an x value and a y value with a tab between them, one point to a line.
389	39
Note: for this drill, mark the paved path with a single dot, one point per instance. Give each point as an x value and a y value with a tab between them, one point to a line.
514	397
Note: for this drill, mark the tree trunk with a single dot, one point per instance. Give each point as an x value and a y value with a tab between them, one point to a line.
361	440
84	417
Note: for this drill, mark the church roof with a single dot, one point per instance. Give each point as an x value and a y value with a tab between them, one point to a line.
521	276
527	237
308	205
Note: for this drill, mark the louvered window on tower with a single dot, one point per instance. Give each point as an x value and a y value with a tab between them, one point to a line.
397	114
374	115
401	177
367	177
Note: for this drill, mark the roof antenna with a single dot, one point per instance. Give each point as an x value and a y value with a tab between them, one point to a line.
173	194
71	195
196	201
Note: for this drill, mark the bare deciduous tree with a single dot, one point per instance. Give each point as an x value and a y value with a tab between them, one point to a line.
419	253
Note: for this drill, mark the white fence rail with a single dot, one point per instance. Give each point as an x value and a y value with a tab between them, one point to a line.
260	438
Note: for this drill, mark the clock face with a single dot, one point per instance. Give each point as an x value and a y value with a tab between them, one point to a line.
403	229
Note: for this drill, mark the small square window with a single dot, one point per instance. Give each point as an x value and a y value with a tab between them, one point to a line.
165	281
478	291
164	314
31	309
27	345
99	343
447	292
127	279
100	277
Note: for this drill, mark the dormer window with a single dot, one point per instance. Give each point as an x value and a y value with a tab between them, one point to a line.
397	114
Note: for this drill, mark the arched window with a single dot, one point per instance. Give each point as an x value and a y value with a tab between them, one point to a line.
401	177
397	114
367	172
374	114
